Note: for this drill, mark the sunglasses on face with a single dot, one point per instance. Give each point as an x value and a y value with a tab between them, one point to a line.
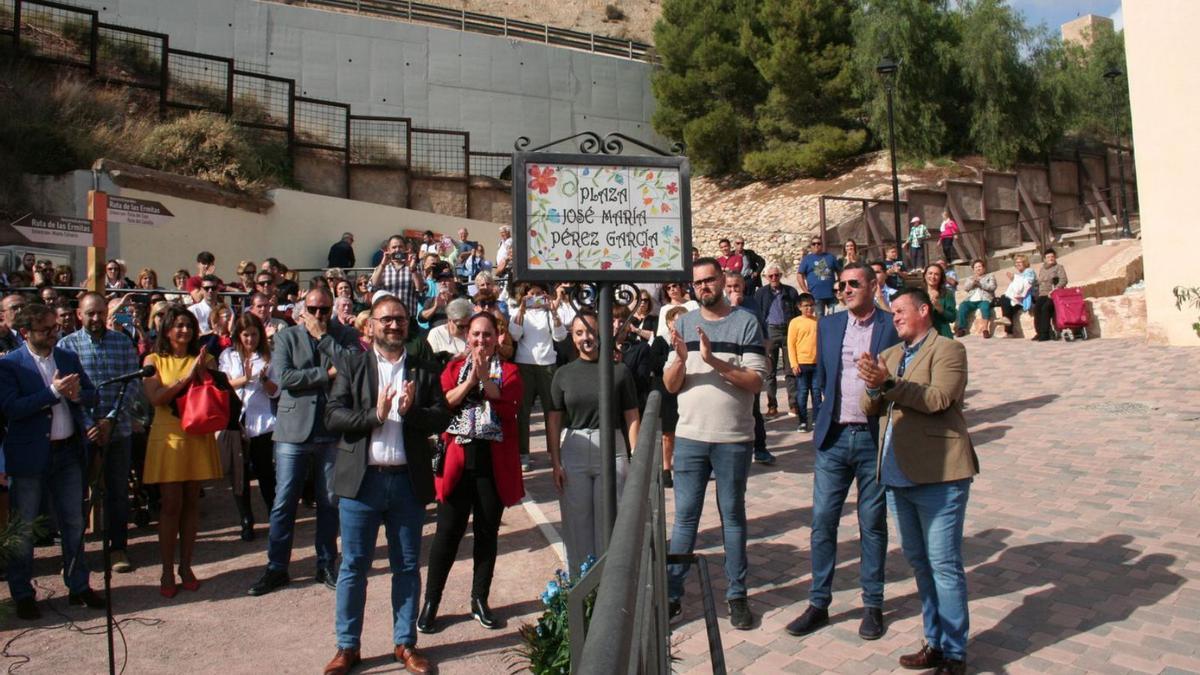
773	275
318	311
814	243
852	283
209	288
705	281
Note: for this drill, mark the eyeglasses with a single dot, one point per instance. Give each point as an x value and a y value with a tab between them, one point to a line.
317	311
393	320
852	283
264	282
706	281
209	288
814	243
773	275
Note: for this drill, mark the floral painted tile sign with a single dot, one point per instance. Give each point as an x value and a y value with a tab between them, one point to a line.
606	218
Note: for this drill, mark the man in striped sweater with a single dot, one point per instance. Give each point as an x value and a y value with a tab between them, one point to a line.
716	367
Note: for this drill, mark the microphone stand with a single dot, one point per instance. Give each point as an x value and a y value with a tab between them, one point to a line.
105	525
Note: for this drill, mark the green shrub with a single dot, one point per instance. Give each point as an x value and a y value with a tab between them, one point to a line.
822	149
131	57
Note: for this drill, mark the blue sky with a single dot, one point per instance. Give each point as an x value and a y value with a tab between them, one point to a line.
1054	13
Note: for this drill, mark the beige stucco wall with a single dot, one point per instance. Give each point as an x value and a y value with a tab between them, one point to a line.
298	230
1164	88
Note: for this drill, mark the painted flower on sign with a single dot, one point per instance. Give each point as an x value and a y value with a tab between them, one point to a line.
647	252
606	264
672	188
542	179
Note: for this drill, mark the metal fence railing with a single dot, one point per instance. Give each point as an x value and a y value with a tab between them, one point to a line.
629	631
474	22
188	81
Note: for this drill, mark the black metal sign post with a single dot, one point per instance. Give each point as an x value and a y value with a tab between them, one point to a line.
603	220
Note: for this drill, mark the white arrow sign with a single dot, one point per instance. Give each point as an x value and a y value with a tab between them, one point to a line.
128	211
43	229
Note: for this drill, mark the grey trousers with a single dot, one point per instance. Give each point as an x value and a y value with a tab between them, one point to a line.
582	500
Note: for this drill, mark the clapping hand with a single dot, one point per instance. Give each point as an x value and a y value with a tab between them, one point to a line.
384	407
680	347
406	397
705	345
67	386
872	371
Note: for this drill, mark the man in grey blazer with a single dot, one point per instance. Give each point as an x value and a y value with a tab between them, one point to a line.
304	362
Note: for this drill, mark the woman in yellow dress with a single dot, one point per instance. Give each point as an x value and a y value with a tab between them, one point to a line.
175	460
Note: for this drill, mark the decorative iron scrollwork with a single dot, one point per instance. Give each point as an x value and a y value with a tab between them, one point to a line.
590	143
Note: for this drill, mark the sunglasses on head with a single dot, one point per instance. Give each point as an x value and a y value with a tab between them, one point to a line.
852	283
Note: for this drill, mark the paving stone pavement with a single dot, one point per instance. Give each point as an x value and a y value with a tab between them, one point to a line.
1081	539
1081	545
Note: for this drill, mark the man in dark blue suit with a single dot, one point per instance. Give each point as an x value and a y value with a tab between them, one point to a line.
43	390
846	441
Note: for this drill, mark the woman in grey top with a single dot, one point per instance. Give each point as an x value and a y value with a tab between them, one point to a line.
573	438
980	288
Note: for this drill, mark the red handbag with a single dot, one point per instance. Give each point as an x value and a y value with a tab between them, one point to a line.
204	407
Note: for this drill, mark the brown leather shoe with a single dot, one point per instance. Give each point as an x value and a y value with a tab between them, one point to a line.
951	667
414	661
925	659
345	659
772	411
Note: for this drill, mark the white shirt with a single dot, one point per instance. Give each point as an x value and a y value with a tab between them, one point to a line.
257	418
387	441
503	252
535	337
202	310
440	340
427	249
61	424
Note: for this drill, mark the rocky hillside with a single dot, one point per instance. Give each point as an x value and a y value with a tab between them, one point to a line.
624	19
775	218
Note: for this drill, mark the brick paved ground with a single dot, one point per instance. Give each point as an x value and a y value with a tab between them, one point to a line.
1081	546
1081	536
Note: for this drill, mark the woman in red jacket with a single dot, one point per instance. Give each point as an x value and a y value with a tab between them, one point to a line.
481	467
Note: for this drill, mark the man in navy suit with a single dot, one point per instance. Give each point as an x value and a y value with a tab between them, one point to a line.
42	393
846	440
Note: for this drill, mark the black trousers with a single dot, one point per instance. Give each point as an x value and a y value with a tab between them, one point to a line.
259	455
474	493
1043	314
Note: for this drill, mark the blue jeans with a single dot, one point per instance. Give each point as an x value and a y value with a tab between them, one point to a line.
930	519
291	467
824	306
116	495
805	383
851	457
694	461
388	499
63	481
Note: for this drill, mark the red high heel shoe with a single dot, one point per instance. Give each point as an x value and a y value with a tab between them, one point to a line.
168	592
193	585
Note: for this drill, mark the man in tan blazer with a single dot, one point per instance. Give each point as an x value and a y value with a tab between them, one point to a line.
926	463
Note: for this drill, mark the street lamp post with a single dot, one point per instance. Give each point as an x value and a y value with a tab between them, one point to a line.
1122	212
887	70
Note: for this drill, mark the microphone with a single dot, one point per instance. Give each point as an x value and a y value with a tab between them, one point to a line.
146	371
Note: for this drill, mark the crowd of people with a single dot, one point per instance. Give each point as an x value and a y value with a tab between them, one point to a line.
337	384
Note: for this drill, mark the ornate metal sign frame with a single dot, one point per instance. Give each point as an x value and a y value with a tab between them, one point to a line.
594	150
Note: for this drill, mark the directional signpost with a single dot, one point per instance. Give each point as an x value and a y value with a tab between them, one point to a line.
46	229
129	211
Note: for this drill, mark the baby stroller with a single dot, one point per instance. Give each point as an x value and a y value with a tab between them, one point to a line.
1070	313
